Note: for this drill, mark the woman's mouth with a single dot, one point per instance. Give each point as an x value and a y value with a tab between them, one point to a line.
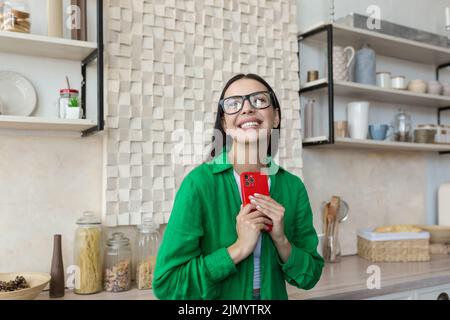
253	124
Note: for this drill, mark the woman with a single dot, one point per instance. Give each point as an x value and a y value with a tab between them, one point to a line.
213	247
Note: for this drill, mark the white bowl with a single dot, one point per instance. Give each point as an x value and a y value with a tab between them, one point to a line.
37	281
418	86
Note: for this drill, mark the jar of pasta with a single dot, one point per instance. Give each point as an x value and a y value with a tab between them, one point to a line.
88	254
147	247
16	16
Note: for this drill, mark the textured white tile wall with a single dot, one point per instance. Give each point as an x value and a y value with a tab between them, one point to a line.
168	61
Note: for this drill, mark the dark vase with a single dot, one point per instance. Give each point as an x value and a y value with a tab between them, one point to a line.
57	282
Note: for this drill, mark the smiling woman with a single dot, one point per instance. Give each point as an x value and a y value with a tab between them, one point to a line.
216	248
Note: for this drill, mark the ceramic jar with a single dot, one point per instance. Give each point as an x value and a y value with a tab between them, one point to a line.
434	87
365	66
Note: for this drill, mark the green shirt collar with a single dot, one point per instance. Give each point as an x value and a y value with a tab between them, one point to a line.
221	163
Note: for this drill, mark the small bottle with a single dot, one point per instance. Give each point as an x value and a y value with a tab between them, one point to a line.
147	245
57	282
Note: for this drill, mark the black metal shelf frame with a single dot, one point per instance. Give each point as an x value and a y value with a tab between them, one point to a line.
330	83
97	54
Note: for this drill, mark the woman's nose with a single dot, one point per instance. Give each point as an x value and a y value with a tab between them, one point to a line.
247	108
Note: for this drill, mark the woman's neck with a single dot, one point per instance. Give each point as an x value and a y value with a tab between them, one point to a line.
245	157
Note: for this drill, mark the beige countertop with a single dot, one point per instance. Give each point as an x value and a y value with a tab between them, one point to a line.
344	280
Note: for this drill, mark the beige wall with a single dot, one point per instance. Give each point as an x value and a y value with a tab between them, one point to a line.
379	187
45	185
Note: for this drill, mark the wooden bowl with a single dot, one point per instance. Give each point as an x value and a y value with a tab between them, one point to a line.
37	281
438	234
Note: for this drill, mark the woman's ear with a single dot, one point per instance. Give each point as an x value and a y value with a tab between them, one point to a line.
276	120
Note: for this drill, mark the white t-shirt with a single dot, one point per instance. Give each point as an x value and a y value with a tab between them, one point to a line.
257	251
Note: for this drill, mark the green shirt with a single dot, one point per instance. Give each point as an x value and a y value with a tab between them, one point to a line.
193	261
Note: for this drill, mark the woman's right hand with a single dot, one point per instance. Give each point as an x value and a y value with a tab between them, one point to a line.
248	226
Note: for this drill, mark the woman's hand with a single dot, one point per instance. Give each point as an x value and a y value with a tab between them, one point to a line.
249	224
275	211
272	210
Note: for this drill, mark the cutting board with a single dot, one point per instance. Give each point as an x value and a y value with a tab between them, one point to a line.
444	205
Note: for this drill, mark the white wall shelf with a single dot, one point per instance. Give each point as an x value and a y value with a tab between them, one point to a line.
374	93
48	124
387	45
384	145
43	46
384	45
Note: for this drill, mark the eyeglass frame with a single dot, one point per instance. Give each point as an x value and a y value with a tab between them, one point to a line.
244	98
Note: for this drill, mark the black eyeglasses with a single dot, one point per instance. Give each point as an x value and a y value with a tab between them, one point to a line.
258	100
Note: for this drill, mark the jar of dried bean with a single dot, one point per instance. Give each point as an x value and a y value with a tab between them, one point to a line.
117	276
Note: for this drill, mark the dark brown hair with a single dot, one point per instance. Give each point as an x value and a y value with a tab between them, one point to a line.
220	115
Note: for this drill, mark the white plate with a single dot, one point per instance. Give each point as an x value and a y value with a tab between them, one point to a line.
17	94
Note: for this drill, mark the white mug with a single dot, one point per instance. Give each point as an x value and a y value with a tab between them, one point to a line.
358	119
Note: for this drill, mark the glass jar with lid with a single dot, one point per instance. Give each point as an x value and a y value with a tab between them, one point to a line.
118	263
147	244
88	254
402	127
67	98
16	16
2	4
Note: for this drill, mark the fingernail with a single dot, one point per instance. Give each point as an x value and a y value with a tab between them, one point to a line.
252	201
256	194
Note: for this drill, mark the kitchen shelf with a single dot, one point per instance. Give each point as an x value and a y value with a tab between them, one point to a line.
386	45
43	46
382	145
65	49
40	123
369	92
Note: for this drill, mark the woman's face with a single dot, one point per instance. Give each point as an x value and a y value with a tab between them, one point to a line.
249	124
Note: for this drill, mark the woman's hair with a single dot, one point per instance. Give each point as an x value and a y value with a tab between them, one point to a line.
220	114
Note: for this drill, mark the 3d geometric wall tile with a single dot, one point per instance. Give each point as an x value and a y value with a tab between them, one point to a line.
168	61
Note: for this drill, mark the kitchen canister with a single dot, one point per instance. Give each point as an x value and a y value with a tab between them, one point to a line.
384	80
358	119
118	263
88	254
365	66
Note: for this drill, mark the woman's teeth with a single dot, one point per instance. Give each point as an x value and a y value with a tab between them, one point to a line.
249	125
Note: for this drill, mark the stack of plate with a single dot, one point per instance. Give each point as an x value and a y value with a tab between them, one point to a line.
424	135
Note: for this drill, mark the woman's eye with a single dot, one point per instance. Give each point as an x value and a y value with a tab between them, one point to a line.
232	103
260	101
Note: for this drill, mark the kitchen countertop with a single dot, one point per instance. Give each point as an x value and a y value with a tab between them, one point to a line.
344	280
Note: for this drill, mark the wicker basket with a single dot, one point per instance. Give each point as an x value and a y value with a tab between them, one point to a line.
398	250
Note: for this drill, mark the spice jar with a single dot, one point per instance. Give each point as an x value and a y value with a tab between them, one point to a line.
118	263
147	245
16	16
88	254
2	4
67	97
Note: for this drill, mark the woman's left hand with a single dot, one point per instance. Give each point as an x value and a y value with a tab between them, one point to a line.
274	211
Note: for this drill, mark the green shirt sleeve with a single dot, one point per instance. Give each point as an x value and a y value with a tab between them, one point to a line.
182	271
304	266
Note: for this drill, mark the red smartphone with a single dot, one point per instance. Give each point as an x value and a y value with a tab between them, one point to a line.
251	183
